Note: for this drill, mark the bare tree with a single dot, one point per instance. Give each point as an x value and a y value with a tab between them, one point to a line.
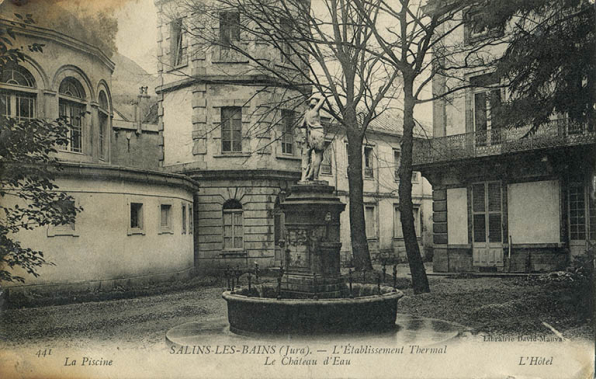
327	48
363	53
418	39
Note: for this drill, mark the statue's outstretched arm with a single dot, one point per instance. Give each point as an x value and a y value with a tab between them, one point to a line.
320	103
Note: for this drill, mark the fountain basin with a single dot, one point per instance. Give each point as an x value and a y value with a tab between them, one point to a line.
366	311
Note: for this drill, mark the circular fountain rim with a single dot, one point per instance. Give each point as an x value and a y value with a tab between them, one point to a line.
392	294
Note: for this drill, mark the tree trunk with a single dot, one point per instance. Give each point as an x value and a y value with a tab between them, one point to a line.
419	279
360	251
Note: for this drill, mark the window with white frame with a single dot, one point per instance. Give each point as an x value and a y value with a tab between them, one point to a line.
136	222
178	45
104	116
397	227
370	219
18	96
287	132
233	231
72	109
486	99
231	129
165	218
368	162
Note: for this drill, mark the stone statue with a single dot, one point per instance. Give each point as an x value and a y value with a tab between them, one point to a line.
314	139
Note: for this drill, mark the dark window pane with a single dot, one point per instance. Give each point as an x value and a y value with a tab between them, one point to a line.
479	228
495	233
478	198
494	197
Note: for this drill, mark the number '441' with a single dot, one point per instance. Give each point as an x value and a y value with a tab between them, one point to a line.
42	353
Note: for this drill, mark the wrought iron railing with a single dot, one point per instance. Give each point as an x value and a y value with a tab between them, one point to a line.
556	133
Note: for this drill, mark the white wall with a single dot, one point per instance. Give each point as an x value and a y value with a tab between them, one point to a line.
457	216
102	248
534	212
177	121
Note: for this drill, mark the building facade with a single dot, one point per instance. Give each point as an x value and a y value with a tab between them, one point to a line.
505	199
135	225
232	127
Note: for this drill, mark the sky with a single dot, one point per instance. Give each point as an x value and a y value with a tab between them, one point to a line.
137	32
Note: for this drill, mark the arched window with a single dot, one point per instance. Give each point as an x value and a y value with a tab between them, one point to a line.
73	109
18	97
104	114
233	231
71	87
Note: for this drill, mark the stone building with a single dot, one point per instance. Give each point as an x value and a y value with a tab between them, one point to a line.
135	225
218	125
504	200
135	136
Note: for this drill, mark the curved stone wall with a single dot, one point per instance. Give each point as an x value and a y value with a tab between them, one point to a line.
101	249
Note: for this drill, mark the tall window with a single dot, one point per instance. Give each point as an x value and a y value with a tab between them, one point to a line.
278	227
183	218
17	93
229	31
104	135
577	212
368	162
178	44
486	209
233	232
396	160
231	129
191	220
371	221
286	32
72	108
327	163
486	100
287	136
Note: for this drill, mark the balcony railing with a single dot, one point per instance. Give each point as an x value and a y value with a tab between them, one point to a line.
556	133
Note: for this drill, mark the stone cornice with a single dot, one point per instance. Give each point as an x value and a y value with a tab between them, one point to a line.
221	79
198	174
117	173
44	33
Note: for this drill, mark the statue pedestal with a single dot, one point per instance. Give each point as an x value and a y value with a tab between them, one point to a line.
312	255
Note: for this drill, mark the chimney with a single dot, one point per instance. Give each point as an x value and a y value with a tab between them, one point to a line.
142	107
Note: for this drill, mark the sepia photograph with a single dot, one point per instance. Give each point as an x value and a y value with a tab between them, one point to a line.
297	189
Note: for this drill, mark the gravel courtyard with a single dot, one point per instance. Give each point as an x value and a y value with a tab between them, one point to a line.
488	305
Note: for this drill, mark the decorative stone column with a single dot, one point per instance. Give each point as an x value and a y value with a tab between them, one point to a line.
312	255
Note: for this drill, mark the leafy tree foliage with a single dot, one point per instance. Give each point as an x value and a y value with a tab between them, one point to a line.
550	63
28	195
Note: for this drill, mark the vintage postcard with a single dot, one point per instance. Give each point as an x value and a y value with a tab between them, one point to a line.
297	189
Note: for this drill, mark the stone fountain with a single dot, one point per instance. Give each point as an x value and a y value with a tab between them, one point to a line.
310	295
